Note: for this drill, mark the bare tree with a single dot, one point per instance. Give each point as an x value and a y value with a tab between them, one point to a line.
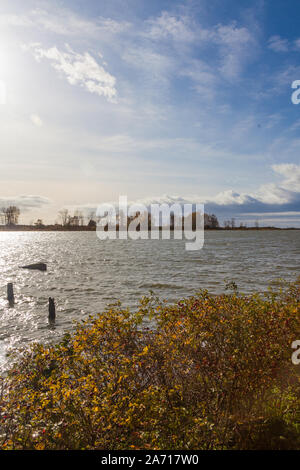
78	217
64	216
10	215
81	218
92	219
214	221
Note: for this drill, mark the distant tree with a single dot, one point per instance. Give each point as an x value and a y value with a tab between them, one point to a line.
81	219
10	215
92	223
39	223
132	217
210	220
214	221
256	224
64	216
93	219
92	215
77	219
233	222
73	221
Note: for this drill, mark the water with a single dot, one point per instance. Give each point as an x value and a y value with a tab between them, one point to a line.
85	274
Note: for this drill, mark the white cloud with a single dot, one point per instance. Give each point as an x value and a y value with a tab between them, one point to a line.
7	20
156	66
36	120
79	69
236	47
25	202
278	44
275	214
203	77
285	192
168	25
277	197
65	22
282	194
291	172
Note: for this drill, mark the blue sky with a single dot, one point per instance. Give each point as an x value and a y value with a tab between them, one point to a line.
159	100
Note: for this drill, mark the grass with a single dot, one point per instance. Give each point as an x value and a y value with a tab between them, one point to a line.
214	373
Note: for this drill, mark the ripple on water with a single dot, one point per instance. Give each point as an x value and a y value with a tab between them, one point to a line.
85	274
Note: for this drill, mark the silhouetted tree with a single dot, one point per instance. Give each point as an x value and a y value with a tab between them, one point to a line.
39	223
214	221
92	223
10	215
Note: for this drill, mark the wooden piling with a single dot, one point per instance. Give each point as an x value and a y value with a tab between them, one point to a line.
52	315
10	294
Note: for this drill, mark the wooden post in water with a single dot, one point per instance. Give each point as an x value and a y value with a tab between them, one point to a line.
10	294
51	311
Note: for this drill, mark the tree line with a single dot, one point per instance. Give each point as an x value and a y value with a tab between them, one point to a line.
9	216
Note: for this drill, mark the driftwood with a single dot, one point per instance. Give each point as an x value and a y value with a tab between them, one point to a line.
39	266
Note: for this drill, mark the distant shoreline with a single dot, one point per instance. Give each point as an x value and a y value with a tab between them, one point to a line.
85	228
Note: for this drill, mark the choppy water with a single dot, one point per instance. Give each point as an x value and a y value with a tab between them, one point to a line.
85	274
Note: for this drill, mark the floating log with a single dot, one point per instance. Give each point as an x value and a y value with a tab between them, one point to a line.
39	266
52	315
10	294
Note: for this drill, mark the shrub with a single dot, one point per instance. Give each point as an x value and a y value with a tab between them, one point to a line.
210	372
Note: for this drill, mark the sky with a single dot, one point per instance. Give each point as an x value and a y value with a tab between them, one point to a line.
160	101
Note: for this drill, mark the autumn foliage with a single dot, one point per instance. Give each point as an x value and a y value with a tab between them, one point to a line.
210	372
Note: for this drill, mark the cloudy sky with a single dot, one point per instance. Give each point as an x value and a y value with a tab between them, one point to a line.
157	100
